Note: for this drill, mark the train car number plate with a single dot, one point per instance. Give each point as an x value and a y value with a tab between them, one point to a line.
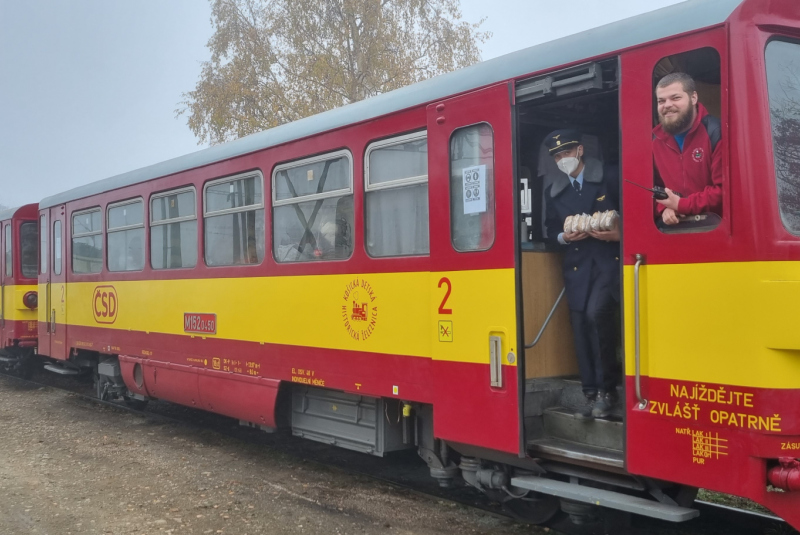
200	323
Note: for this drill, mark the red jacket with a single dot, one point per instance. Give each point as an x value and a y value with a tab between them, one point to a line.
695	173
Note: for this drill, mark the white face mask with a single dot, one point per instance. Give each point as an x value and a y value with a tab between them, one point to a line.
568	165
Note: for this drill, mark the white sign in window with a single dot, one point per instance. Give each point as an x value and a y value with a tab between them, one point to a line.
474	180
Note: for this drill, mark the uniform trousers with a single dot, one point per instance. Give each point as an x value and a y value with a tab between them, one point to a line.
595	332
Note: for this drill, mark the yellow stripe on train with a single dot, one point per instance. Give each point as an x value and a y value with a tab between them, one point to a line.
727	323
445	316
14	308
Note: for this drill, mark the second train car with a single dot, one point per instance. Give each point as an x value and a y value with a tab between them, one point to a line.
18	288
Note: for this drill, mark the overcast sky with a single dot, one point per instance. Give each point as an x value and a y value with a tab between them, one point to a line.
88	88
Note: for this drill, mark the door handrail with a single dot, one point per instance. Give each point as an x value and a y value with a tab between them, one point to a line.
547	320
637	331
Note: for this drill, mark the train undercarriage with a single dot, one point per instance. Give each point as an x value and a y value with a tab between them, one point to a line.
18	361
564	478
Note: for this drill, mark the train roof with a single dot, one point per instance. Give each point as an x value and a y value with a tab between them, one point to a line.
672	20
8	213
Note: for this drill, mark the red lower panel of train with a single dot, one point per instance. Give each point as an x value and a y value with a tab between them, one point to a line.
718	437
233	377
18	333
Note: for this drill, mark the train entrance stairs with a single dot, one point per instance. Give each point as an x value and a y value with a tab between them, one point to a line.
553	432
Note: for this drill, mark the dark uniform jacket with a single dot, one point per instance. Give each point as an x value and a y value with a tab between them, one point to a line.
600	192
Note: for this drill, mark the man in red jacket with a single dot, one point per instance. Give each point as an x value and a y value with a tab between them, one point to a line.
687	152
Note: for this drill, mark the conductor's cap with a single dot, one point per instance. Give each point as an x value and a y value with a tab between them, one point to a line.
561	140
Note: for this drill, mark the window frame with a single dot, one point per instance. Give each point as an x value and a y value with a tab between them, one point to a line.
342	192
706	222
44	241
232	178
21	259
182	219
311	160
494	188
178	191
383	143
247	208
73	235
8	248
393	184
109	231
773	160
60	265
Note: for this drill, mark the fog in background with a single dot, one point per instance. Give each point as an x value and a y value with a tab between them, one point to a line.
89	88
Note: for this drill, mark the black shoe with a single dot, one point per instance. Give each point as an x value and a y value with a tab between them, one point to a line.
605	404
586	411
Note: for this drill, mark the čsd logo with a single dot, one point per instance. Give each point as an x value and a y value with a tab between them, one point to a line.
105	304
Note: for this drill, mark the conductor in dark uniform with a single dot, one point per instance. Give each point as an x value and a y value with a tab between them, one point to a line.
591	265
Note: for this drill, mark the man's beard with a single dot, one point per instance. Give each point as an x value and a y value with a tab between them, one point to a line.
680	124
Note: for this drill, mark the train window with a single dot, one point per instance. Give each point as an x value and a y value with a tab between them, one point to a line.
173	229
783	84
396	177
87	241
313	209
234	220
28	239
43	243
125	230
687	140
472	188
8	253
56	247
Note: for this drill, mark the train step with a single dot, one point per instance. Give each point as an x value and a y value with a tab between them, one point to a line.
573	398
560	422
61	370
605	498
560	449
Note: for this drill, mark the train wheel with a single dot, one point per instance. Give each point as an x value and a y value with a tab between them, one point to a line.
533	508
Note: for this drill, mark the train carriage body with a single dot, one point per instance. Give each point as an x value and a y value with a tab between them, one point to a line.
354	274
18	280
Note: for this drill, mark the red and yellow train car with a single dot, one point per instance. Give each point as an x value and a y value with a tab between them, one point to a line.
18	294
373	276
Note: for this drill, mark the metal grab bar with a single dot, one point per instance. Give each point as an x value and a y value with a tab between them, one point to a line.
637	336
547	321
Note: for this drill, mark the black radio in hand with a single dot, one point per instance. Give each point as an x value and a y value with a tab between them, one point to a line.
658	192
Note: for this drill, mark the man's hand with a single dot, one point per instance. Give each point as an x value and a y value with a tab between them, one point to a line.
671	202
570	237
669	216
606	235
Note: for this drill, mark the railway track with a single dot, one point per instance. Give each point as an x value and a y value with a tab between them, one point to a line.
404	470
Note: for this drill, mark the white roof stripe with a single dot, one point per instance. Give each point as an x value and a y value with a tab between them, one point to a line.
8	213
672	20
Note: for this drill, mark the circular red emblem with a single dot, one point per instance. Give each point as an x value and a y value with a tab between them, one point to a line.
698	154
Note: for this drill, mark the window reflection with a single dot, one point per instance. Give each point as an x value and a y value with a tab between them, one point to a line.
783	83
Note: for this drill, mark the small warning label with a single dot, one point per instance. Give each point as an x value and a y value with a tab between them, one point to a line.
445	331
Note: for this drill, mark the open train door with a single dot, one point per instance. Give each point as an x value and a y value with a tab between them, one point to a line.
473	304
52	284
674	285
